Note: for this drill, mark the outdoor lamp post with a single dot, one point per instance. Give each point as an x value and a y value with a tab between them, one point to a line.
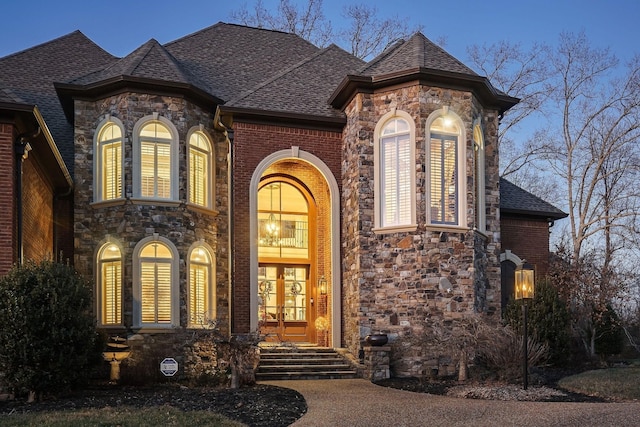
525	289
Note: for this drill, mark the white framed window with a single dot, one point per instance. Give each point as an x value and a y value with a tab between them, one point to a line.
201	173
155	159
446	191
155	290
201	286
109	281
394	173
108	175
481	204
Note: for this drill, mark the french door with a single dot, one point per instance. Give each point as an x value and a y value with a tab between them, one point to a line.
284	302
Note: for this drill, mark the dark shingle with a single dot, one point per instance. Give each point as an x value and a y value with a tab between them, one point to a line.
231	59
29	76
417	52
303	88
514	199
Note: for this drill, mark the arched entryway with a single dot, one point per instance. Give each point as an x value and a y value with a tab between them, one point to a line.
287	259
295	257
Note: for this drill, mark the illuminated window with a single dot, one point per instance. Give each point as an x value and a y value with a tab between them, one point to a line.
481	206
108	176
155	284
394	155
200	170
155	159
201	292
110	285
446	172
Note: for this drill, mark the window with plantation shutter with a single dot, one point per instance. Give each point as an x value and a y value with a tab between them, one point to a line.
200	173
110	285
394	155
155	160
446	172
108	173
201	304
155	283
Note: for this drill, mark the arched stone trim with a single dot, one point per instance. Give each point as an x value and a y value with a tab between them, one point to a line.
297	154
510	256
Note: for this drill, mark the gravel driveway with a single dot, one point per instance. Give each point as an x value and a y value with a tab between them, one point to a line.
358	402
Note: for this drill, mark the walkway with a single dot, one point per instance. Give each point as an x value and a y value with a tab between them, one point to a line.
359	403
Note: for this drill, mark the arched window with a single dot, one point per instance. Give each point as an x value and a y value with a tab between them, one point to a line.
155	284
447	176
109	285
201	290
200	170
155	159
478	142
108	161
394	158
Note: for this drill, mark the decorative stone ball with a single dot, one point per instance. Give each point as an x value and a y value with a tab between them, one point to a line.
377	339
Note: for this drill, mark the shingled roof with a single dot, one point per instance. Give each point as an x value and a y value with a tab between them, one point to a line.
301	89
515	200
414	53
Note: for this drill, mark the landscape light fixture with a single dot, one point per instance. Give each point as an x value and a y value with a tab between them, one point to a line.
525	290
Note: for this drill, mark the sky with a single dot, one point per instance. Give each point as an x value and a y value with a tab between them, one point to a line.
121	26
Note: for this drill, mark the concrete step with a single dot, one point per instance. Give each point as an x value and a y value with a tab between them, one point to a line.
305	362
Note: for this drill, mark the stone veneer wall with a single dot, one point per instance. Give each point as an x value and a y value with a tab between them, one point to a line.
128	222
393	282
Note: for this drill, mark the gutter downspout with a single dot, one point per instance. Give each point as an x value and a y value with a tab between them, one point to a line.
228	133
22	148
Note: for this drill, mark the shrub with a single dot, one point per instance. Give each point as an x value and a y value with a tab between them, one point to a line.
610	339
549	321
48	338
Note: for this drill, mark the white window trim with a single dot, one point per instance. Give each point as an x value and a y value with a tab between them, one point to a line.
211	301
481	202
211	176
98	165
462	172
98	274
137	186
137	285
379	228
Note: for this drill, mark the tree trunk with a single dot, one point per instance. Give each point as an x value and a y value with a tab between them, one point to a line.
463	372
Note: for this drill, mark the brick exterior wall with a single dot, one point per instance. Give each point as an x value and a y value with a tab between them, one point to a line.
8	248
252	143
392	282
528	239
128	221
37	217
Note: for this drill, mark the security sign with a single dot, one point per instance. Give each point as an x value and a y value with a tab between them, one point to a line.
169	367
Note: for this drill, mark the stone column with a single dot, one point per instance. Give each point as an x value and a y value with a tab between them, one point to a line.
376	362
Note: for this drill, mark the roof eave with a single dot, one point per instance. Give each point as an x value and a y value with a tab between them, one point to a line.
51	160
307	121
481	86
67	92
550	216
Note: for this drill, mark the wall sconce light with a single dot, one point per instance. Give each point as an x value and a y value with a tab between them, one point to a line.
525	290
322	285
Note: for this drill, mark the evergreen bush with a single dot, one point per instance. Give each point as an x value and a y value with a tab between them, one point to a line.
48	339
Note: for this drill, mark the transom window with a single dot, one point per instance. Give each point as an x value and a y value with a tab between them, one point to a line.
394	154
200	173
445	172
201	293
110	285
108	165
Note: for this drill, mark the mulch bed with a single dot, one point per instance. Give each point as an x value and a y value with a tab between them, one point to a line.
259	405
